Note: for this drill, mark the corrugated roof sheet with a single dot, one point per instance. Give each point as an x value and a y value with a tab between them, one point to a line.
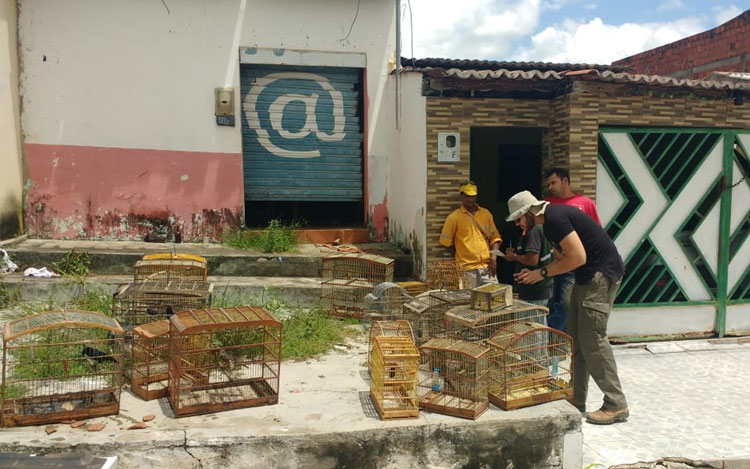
463	64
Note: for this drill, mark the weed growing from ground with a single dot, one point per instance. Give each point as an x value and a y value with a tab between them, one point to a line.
9	297
276	237
308	333
94	300
75	266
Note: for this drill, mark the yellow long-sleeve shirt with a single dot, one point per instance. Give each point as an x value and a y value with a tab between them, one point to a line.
472	248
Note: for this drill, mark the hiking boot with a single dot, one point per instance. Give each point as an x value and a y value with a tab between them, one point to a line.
581	406
606	417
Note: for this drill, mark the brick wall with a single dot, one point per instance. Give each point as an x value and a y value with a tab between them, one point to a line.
724	48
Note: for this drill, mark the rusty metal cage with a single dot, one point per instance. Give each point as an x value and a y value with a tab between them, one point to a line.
360	266
344	298
491	297
223	359
529	364
149	376
445	274
454	377
61	365
413	288
397	328
474	325
152	300
393	387
170	269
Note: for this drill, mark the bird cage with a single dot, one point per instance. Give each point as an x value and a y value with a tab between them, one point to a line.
414	311
344	298
433	322
149	377
474	325
174	256
529	364
223	359
393	387
398	328
491	297
360	266
454	377
446	274
152	300
61	365
385	302
413	288
170	269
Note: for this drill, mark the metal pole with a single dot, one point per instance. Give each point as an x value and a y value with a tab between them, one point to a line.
722	276
398	58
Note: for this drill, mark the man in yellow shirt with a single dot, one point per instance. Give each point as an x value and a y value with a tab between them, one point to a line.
470	234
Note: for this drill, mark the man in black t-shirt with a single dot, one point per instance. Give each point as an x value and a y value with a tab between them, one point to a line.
598	267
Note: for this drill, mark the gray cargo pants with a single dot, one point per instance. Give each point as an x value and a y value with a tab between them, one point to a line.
588	314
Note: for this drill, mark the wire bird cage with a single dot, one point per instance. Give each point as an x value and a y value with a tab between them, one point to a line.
454	377
385	302
393	387
344	298
398	328
433	320
223	359
152	300
360	266
445	274
414	311
149	377
529	364
413	288
462	322
170	268
61	365
492	297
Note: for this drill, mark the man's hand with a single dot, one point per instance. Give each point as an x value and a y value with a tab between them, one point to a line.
510	255
528	277
493	265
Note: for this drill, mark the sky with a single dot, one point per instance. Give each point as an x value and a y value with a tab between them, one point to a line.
561	31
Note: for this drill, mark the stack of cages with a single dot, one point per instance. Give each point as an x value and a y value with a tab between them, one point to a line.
398	328
348	278
474	325
385	302
393	385
454	377
223	359
445	274
153	300
61	365
168	266
529	364
434	324
149	376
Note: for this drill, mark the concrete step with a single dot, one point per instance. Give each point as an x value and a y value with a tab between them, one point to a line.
119	257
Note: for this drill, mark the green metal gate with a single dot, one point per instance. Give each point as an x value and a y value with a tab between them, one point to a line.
677	204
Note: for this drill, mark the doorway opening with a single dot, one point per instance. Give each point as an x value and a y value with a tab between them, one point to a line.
308	215
504	161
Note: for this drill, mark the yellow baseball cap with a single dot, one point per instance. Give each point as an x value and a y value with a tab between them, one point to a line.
468	188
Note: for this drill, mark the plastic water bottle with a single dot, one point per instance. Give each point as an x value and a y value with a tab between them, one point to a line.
555	369
436	379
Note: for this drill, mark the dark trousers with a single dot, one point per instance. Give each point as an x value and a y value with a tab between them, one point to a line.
558	305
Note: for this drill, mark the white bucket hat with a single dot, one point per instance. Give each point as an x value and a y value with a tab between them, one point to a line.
523	202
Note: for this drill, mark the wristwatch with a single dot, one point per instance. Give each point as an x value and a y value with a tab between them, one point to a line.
543	271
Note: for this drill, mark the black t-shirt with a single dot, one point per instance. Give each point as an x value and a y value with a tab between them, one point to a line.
601	253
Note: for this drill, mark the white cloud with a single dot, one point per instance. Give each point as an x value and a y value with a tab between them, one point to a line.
723	14
671	5
474	29
597	42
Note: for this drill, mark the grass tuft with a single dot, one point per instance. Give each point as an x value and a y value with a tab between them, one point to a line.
310	333
277	237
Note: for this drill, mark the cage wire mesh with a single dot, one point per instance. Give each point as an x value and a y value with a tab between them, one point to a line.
385	302
397	328
463	322
393	386
414	311
445	274
152	300
61	365
454	377
491	297
529	364
433	322
170	269
149	376
223	359
344	298
360	266
413	288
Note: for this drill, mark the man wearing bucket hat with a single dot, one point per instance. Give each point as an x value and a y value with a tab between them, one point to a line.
469	232
598	267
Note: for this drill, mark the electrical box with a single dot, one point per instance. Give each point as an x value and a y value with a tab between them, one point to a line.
224	101
449	147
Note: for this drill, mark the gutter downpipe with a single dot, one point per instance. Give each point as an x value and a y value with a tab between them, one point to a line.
398	61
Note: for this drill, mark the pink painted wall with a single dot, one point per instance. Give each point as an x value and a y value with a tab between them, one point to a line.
119	193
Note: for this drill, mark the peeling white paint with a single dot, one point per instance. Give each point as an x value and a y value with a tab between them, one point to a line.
56	161
184	177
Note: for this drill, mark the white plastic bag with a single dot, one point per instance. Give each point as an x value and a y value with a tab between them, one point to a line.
7	266
43	272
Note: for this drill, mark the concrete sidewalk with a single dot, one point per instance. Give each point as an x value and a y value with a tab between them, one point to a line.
686	398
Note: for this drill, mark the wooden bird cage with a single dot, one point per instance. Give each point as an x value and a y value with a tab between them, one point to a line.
152	300
385	302
454	377
344	298
61	365
398	328
393	387
223	359
433	322
415	311
445	274
413	288
491	297
174	256
170	269
360	266
529	364
474	325
149	377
